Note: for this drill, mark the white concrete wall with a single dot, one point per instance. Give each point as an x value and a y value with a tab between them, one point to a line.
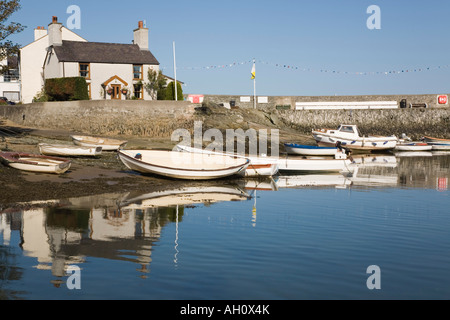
32	59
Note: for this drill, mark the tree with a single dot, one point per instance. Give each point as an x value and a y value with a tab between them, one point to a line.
169	92
156	84
7	47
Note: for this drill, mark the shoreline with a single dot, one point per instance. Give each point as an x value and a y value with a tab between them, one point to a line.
107	174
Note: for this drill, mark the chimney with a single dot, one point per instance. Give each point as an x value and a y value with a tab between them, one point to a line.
55	32
141	36
39	32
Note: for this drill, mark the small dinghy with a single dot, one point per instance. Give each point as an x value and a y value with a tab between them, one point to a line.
413	146
183	165
106	143
69	151
35	163
304	150
438	144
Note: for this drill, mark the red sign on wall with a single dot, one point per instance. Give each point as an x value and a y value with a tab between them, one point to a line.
443	99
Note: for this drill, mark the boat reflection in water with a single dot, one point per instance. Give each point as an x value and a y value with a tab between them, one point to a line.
122	227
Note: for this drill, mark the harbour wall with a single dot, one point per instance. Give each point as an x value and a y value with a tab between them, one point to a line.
120	117
159	119
272	102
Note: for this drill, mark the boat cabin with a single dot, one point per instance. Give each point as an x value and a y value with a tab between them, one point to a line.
348	130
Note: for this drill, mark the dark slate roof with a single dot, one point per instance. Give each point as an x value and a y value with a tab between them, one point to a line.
99	52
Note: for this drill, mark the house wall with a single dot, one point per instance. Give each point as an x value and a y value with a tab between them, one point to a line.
100	73
32	59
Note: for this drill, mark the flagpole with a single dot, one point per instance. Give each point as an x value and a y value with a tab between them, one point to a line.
254	87
175	73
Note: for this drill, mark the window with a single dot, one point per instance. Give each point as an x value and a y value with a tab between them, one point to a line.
89	90
85	70
137	71
138	94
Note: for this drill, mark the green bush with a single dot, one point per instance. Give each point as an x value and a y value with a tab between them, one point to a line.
66	89
169	94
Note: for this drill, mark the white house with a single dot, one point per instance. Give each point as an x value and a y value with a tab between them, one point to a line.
10	80
108	67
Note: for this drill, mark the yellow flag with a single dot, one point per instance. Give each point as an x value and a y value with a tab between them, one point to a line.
254	72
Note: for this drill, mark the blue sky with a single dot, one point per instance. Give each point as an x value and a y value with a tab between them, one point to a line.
320	47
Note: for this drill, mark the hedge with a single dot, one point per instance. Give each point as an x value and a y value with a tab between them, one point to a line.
67	89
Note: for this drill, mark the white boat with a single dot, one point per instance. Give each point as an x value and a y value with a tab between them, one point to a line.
183	165
437	144
107	144
35	163
432	140
412	146
440	147
68	150
293	148
350	138
258	167
300	164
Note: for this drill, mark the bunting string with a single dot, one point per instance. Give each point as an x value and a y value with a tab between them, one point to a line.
316	70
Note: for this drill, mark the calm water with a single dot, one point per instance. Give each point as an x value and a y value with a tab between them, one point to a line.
302	237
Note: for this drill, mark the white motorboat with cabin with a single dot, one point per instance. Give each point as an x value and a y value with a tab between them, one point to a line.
350	138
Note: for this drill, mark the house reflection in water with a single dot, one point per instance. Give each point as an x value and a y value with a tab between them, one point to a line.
113	226
58	237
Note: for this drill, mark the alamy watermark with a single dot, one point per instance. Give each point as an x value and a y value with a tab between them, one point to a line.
374	21
74	20
234	141
74	280
374	280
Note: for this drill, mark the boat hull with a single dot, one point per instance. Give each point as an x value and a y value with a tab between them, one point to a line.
440	147
35	163
177	165
313	165
309	150
105	143
413	146
69	151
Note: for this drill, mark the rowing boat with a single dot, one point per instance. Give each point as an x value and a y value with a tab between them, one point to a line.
413	146
293	148
107	144
35	163
68	150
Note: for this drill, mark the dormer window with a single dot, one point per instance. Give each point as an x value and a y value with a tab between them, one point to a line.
85	70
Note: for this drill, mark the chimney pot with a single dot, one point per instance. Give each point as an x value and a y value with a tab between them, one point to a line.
141	24
55	19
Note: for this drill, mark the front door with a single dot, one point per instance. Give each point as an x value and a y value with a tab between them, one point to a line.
116	92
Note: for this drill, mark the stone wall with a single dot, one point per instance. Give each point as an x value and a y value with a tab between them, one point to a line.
130	117
416	122
274	101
